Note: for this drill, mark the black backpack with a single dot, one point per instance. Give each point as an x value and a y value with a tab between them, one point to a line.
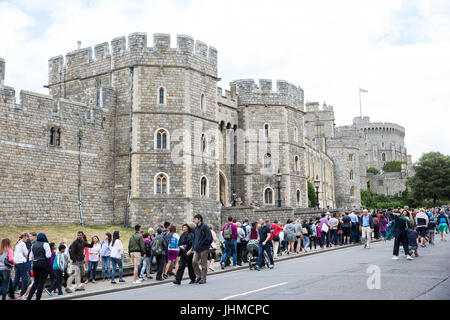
148	248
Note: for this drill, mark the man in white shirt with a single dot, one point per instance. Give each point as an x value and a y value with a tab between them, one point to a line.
21	266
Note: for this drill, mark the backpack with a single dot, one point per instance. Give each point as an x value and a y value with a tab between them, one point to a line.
313	230
157	247
227	233
375	220
148	248
442	220
244	227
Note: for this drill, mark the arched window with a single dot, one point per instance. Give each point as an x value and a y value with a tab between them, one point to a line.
267	161
296	164
203	186
298	197
55	136
162	139
351	174
268	196
203	143
202	103
161	184
383	156
350	157
266	130
352	191
161	95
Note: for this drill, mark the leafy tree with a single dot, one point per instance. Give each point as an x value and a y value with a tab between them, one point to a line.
393	166
312	200
373	170
432	178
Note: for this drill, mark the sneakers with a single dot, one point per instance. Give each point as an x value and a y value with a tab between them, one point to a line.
235	267
395	258
270	266
192	282
137	281
176	282
212	269
222	265
409	257
202	282
113	282
121	280
69	290
49	292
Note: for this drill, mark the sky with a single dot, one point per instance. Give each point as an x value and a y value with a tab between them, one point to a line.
397	50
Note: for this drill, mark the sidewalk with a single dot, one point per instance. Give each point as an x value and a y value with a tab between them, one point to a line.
102	287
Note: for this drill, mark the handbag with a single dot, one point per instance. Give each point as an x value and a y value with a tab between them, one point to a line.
324	228
8	263
276	238
304	230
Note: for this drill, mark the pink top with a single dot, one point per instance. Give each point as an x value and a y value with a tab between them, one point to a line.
214	242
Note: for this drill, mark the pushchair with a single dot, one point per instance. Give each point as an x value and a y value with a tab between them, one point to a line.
252	249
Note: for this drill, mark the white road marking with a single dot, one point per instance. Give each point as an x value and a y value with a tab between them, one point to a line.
253	291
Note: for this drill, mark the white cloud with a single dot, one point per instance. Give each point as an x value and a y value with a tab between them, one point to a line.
398	50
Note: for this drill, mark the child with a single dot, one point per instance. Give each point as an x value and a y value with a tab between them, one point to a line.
58	267
52	272
432	227
412	242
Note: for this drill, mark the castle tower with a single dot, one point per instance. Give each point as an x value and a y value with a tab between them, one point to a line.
2	72
271	133
165	162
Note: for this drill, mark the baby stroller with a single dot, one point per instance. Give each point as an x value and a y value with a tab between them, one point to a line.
252	249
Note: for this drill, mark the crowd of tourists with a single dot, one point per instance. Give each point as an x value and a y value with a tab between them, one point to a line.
258	243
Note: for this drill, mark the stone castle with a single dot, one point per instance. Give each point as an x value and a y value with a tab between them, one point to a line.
131	133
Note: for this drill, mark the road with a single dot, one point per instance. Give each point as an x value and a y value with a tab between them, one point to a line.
340	274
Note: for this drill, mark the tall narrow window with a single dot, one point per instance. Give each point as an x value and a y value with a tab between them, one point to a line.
350	157
267	161
203	143
352	191
52	136
161	96
266	130
298	197
383	157
268	196
58	137
202	103
296	164
204	186
351	174
161	183
161	139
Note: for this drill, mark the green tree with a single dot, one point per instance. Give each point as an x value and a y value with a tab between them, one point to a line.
312	201
373	170
432	178
393	166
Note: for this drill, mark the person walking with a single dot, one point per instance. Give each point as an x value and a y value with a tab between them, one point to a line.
230	236
105	253
367	227
422	221
136	249
200	248
6	265
264	244
173	250
212	249
116	248
21	265
94	257
275	237
443	225
40	254
185	245
76	251
432	228
400	226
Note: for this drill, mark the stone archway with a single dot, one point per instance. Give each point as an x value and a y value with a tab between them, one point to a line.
223	189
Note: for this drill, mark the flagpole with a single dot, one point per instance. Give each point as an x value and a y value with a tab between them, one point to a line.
360	108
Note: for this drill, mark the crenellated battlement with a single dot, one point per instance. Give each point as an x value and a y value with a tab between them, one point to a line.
378	127
124	52
315	106
249	92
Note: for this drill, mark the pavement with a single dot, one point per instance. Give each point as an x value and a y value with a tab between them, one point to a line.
345	273
101	288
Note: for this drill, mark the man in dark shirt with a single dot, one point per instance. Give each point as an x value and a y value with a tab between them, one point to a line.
346	227
200	246
264	244
76	251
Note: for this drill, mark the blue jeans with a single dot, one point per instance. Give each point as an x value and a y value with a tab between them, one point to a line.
306	242
230	245
21	272
5	276
261	250
145	267
116	262
92	266
106	266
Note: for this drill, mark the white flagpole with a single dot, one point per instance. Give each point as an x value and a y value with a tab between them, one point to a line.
360	108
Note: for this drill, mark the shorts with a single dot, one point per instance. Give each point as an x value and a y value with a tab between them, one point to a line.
443	227
212	254
291	238
135	258
413	248
346	231
422	231
383	234
172	255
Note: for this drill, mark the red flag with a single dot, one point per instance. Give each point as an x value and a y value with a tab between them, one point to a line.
363	90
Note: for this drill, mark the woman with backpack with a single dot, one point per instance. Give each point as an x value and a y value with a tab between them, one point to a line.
443	225
6	265
306	235
105	253
172	240
116	248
